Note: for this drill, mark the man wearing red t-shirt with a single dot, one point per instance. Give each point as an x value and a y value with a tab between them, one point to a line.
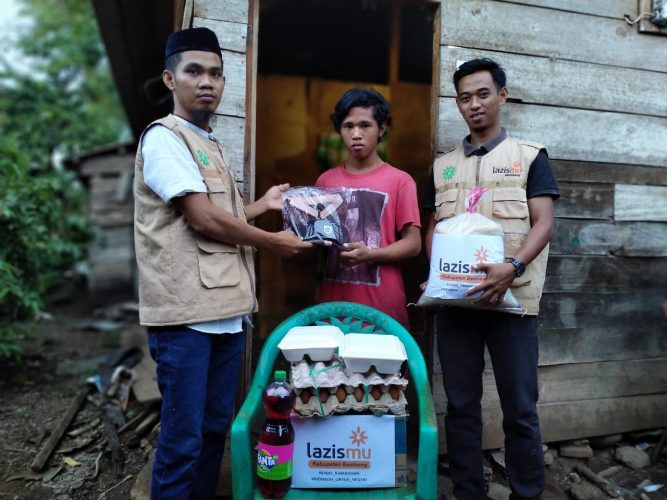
382	215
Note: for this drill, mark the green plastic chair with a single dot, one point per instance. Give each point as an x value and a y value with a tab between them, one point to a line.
356	318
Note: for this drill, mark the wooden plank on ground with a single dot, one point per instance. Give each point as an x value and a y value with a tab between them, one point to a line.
521	29
230	131
577	382
587	171
630	239
597	274
544	80
571	134
230	10
640	203
232	36
615	9
58	431
585	200
145	387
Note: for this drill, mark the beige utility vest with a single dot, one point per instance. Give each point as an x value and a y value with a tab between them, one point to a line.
504	172
184	276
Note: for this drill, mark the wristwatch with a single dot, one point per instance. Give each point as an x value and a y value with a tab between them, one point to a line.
519	267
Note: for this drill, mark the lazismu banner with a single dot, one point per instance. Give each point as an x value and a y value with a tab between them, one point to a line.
346	451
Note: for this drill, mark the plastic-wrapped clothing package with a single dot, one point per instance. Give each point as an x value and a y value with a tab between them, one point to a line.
314	214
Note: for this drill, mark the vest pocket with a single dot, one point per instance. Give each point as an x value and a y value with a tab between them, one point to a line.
219	193
218	264
445	203
510	203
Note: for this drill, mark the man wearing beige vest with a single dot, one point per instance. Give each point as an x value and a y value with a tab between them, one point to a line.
194	249
520	193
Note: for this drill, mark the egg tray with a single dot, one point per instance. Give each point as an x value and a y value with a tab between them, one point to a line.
325	388
322	402
334	373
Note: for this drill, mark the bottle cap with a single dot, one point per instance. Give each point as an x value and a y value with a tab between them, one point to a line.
280	375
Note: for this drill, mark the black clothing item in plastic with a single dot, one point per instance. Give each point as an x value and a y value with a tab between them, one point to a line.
314	214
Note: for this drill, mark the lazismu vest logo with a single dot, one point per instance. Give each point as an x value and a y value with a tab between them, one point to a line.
514	170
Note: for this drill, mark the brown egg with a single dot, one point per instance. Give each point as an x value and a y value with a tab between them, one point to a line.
324	395
358	393
341	394
394	391
376	392
305	396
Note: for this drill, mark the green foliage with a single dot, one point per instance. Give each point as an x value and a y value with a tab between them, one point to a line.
42	236
59	95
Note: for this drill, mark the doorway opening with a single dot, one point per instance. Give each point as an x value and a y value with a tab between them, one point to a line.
309	53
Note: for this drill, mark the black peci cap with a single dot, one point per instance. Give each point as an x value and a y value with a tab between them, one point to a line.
202	39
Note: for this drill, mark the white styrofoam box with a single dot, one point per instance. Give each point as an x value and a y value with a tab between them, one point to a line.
318	342
360	351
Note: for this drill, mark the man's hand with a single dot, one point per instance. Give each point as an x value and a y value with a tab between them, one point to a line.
274	196
272	200
355	253
499	277
287	244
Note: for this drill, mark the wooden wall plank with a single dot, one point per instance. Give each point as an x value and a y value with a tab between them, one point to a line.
640	203
522	29
230	10
232	36
606	8
230	131
604	274
249	148
585	200
233	97
571	134
543	80
583	171
576	382
439	77
583	327
599	417
632	239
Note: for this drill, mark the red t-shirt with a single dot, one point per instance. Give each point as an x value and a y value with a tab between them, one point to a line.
382	202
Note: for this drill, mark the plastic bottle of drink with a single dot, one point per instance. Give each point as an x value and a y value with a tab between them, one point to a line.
276	442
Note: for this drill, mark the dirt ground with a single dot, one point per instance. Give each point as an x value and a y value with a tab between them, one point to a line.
63	350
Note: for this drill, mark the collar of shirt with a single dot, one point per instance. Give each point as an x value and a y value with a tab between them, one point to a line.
192	126
471	149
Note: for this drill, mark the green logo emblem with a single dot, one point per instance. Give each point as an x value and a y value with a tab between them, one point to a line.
202	158
448	172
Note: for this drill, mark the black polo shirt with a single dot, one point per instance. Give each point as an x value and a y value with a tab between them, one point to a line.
541	180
